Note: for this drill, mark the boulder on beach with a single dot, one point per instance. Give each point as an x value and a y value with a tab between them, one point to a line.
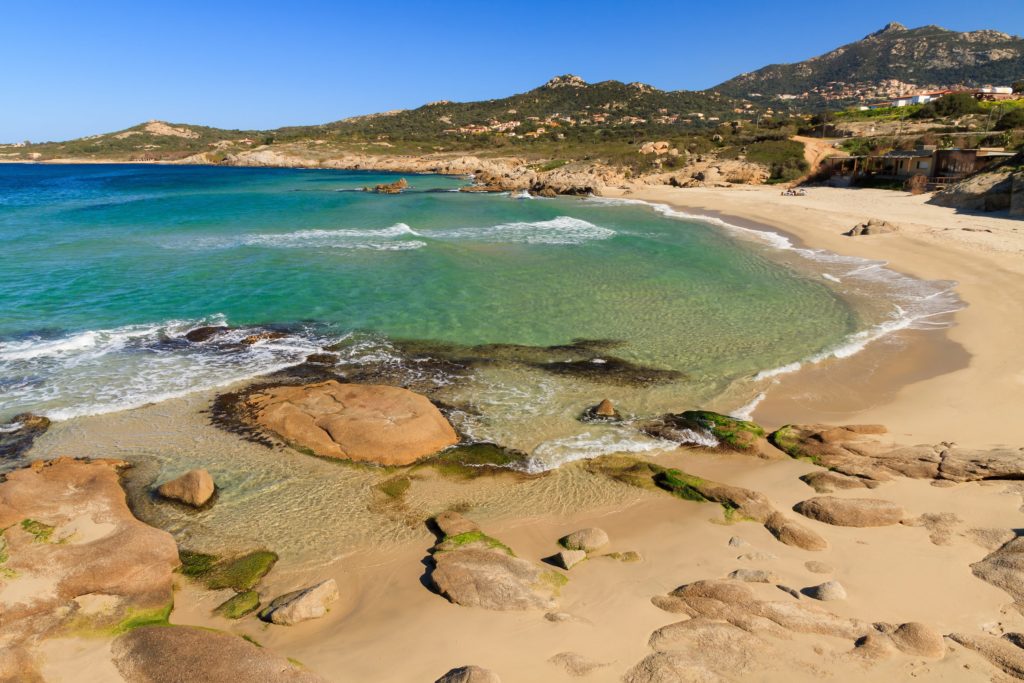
754	576
202	334
1004	568
830	590
874	226
921	640
194	488
172	654
363	422
473	569
469	674
588	540
827	481
575	664
567	559
856	512
451	523
301	605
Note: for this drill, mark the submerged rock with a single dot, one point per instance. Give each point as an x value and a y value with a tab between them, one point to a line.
202	334
18	434
193	488
301	605
188	653
368	423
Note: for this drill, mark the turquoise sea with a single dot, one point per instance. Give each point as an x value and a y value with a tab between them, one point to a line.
105	268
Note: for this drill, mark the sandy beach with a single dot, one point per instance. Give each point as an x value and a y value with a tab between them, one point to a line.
972	400
625	621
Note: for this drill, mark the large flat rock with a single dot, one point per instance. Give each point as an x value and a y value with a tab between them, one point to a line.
187	654
363	422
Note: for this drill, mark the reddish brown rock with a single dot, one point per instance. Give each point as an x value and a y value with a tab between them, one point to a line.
363	422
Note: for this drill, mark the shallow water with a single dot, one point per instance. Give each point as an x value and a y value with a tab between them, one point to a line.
106	268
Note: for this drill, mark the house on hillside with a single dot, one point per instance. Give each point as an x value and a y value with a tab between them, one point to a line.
940	166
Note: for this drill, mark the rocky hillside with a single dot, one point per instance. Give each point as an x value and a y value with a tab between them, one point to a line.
880	63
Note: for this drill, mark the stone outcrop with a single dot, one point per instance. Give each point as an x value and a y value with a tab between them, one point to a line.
575	664
474	570
830	590
18	433
875	226
198	655
859	451
71	553
858	512
1004	653
588	540
740	503
993	191
604	411
469	674
567	559
389	188
194	488
729	634
1004	568
367	423
301	605
707	428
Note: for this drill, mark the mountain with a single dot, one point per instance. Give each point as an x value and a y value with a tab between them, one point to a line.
564	111
887	61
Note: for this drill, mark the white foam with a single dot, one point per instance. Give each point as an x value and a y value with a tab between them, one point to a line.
916	302
747	411
564	230
551	454
781	370
375	239
107	370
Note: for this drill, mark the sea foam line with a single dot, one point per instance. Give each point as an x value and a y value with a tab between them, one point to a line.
921	299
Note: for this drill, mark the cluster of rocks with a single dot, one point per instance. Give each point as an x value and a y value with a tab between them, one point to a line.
389	188
18	433
874	226
472	569
578	545
857	452
728	632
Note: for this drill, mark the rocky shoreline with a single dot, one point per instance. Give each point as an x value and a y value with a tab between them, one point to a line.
61	578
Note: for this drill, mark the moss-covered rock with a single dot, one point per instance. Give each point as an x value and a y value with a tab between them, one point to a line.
239	605
240	573
707	428
470	460
681	485
43	532
791	442
395	487
472	539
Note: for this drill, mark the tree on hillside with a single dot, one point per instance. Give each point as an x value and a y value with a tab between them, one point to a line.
1011	119
1018	86
952	106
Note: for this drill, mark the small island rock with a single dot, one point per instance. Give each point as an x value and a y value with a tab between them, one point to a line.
194	488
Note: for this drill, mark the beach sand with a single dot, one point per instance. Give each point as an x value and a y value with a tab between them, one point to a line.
965	383
972	399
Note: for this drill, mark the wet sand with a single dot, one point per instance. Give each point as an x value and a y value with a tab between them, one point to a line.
974	403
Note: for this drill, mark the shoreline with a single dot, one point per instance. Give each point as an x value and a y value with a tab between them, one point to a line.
966	390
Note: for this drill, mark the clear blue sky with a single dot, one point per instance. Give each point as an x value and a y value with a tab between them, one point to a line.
78	67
